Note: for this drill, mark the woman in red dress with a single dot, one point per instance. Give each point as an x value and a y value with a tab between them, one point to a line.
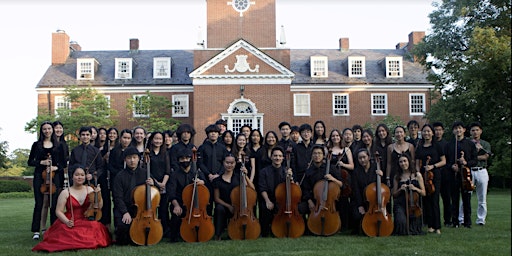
73	230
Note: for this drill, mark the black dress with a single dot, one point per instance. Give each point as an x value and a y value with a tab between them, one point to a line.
399	210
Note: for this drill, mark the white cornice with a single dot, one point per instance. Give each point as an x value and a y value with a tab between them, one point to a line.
239	81
366	87
123	89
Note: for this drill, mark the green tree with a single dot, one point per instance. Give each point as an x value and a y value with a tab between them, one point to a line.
469	54
4	146
88	107
154	112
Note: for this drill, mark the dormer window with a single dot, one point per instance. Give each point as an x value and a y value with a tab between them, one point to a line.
123	68
85	68
394	67
162	67
356	67
319	66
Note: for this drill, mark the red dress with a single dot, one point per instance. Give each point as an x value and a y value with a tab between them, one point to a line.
84	234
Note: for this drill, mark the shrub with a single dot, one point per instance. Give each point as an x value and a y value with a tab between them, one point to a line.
7	186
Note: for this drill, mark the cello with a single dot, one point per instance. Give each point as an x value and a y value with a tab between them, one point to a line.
288	222
146	228
376	221
243	225
197	225
94	210
325	220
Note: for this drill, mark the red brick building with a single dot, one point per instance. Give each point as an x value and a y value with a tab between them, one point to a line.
242	74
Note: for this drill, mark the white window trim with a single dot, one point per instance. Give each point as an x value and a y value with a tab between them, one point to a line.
400	67
385	107
325	65
423	107
156	61
350	65
79	70
295	101
348	104
182	98
128	73
134	113
60	100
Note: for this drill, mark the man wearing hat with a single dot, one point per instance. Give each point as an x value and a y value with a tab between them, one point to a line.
127	180
222	125
179	180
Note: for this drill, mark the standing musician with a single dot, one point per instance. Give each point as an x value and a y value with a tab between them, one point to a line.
47	156
301	155
408	188
222	187
430	158
268	178
87	155
127	180
185	133
180	178
73	231
460	152
479	172
364	174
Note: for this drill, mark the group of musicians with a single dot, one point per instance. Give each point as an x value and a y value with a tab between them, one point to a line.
332	173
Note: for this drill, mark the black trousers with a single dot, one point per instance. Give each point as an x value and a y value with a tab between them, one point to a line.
466	202
431	210
38	205
221	217
266	217
175	223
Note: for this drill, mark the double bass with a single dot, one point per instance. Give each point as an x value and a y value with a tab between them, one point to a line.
377	221
197	225
288	222
146	228
243	225
325	220
94	210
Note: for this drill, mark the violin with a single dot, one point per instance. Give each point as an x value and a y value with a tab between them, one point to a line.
146	228
346	189
467	178
197	225
429	178
94	210
412	199
48	187
243	225
288	222
377	221
325	220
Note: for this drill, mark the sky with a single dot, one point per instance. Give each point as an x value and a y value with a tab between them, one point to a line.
27	26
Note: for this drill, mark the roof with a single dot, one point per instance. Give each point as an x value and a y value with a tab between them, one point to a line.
183	64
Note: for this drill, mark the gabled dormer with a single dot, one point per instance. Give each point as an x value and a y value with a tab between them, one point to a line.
161	67
123	68
356	66
319	66
394	67
86	68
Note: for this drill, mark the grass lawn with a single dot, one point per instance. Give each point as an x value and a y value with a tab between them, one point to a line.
492	239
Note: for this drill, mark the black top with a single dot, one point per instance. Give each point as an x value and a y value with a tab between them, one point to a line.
179	180
268	179
301	158
360	180
125	182
211	156
159	165
465	145
225	187
313	175
93	159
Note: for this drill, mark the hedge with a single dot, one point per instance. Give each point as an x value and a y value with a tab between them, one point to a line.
7	186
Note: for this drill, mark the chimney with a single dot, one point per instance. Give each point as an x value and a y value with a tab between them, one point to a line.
344	44
60	47
134	45
401	45
75	47
414	38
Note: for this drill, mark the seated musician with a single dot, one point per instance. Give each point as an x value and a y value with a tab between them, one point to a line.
127	180
179	180
222	187
314	174
268	179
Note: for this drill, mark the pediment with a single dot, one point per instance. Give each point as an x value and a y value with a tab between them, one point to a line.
241	61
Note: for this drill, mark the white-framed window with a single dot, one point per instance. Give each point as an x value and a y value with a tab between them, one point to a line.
319	66
379	104
162	67
356	66
140	106
180	105
123	68
61	103
417	104
85	68
243	112
301	105
394	67
340	104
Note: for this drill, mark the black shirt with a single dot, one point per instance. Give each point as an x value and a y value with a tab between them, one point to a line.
268	179
313	175
93	161
179	180
225	187
360	180
125	182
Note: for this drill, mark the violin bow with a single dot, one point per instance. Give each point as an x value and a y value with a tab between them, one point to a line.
66	183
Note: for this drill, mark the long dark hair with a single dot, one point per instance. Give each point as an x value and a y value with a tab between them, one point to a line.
322	136
400	171
388	140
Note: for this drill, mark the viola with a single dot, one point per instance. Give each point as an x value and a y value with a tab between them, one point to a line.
346	189
377	221
429	178
48	187
243	225
288	222
94	210
467	178
325	220
197	225
146	228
